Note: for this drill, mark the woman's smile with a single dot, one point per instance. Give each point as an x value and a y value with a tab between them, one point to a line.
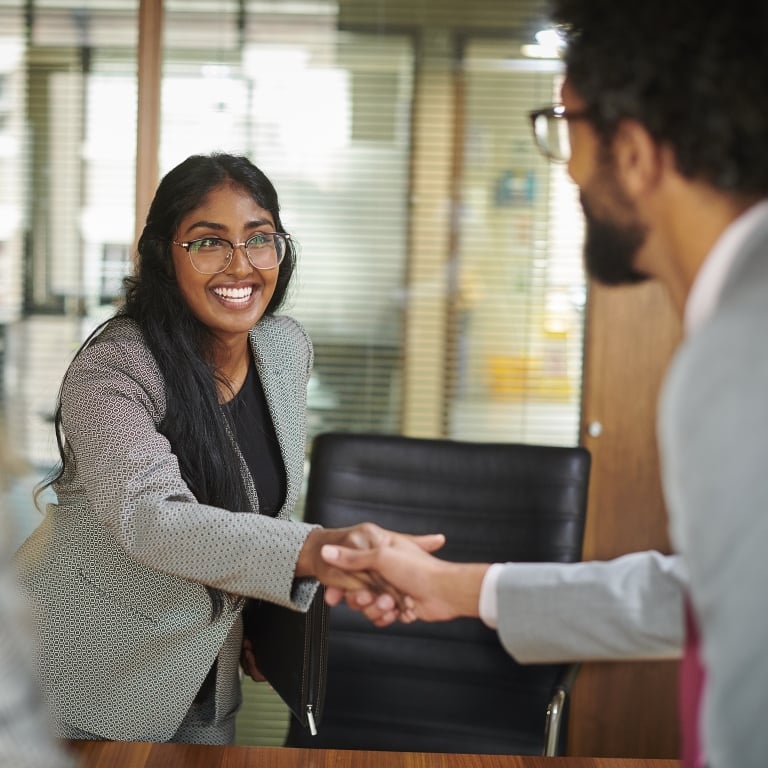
235	297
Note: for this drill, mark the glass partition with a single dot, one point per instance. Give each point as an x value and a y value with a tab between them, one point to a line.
326	114
519	287
67	148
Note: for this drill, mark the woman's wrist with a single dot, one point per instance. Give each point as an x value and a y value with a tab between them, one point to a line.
306	563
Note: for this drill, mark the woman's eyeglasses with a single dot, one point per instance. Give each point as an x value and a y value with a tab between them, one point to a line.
211	255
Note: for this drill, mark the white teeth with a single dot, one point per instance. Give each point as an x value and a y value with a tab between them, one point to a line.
234	293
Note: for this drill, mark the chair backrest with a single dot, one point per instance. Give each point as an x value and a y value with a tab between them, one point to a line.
442	687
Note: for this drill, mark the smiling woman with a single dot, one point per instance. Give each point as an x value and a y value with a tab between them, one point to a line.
186	407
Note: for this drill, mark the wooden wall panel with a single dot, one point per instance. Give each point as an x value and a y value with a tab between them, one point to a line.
625	709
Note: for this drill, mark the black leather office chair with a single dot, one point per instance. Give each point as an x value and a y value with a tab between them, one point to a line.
445	687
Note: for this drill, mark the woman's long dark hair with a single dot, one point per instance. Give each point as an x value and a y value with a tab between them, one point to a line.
180	343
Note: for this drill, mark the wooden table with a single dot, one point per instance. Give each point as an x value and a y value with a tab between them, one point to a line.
115	754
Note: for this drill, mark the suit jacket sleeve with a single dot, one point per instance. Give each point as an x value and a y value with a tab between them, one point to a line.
627	608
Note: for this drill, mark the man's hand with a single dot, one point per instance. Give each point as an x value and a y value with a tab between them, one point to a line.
342	581
434	589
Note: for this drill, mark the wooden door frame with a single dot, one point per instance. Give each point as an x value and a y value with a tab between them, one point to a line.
150	60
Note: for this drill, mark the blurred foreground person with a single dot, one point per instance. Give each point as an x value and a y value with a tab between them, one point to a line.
25	735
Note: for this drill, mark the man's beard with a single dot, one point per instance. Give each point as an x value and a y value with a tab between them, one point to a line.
610	249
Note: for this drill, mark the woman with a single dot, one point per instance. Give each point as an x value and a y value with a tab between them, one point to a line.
182	414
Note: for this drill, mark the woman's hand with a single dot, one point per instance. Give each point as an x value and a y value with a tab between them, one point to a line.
248	663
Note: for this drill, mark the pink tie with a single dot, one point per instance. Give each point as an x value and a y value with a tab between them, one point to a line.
692	681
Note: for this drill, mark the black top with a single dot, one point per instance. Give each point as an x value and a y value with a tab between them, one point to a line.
257	440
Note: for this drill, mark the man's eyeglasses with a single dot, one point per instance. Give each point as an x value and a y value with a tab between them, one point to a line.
550	131
211	255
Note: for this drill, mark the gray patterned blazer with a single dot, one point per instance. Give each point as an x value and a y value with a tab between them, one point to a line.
117	569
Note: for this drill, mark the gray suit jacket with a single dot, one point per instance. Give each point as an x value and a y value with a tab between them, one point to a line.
117	570
713	431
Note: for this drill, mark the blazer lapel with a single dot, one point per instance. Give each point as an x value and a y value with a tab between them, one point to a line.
284	383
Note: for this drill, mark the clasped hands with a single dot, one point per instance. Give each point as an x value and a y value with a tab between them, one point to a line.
386	575
390	576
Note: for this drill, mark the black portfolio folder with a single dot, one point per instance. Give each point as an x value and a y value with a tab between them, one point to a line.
291	651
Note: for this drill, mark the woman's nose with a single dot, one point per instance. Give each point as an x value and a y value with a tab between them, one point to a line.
239	263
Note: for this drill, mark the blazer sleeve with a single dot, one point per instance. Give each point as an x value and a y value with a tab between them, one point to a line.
112	403
627	608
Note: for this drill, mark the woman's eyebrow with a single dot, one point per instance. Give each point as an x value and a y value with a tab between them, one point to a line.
204	224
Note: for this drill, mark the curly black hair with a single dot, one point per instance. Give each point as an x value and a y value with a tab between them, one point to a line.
693	72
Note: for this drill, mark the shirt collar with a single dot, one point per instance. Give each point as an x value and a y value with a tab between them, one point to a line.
711	278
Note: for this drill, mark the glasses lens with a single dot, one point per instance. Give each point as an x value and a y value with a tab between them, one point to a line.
209	255
265	249
550	131
561	142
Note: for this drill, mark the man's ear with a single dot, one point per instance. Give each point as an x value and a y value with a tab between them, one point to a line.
639	160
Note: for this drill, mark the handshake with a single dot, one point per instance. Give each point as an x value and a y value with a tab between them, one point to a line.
390	576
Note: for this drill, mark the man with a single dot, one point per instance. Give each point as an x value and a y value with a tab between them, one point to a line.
664	103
